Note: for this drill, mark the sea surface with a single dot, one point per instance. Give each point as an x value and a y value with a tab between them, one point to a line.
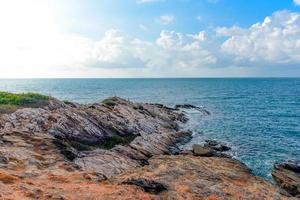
258	117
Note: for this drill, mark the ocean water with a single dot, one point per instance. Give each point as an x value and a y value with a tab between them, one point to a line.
259	118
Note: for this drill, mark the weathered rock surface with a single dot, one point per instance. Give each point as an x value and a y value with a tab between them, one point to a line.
112	150
287	175
86	134
194	177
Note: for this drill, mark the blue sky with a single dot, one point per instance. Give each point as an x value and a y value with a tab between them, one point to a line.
190	16
149	38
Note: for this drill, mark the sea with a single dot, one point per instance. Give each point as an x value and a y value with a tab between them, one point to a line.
258	117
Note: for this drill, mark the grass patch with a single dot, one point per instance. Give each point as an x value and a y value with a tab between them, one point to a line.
107	144
110	101
10	102
115	140
67	102
6	109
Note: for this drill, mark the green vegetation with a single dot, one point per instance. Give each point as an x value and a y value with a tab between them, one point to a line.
5	109
110	101
115	140
67	102
107	144
10	102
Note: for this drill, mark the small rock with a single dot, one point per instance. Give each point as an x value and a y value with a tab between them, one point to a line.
218	146
199	150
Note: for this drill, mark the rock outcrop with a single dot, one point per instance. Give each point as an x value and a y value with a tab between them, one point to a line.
107	138
113	150
287	175
194	177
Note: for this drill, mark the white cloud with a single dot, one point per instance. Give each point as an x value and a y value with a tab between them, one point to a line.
148	1
234	30
274	41
183	50
166	19
34	46
171	49
115	50
297	2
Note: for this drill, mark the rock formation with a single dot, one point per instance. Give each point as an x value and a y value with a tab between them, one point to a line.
287	175
113	150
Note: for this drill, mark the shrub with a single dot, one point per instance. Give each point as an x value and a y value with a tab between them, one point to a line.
10	102
22	99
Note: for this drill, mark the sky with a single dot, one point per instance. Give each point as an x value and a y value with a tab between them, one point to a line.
149	38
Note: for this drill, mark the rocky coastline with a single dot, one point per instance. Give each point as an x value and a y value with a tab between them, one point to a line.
117	149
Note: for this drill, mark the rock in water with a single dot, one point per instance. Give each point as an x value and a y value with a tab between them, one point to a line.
287	175
215	145
189	106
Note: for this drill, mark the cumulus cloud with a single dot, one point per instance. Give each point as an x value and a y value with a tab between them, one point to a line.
234	30
115	50
166	19
276	40
183	50
171	49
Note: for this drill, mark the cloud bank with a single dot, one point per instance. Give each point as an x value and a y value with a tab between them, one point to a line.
274	42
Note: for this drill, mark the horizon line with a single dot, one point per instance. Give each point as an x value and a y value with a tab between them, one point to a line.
208	77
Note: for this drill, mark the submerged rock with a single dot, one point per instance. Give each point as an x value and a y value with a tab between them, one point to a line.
287	175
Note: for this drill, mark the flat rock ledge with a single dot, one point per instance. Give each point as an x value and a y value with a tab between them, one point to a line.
115	149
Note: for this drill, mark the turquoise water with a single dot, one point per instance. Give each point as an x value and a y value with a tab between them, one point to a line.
259	118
